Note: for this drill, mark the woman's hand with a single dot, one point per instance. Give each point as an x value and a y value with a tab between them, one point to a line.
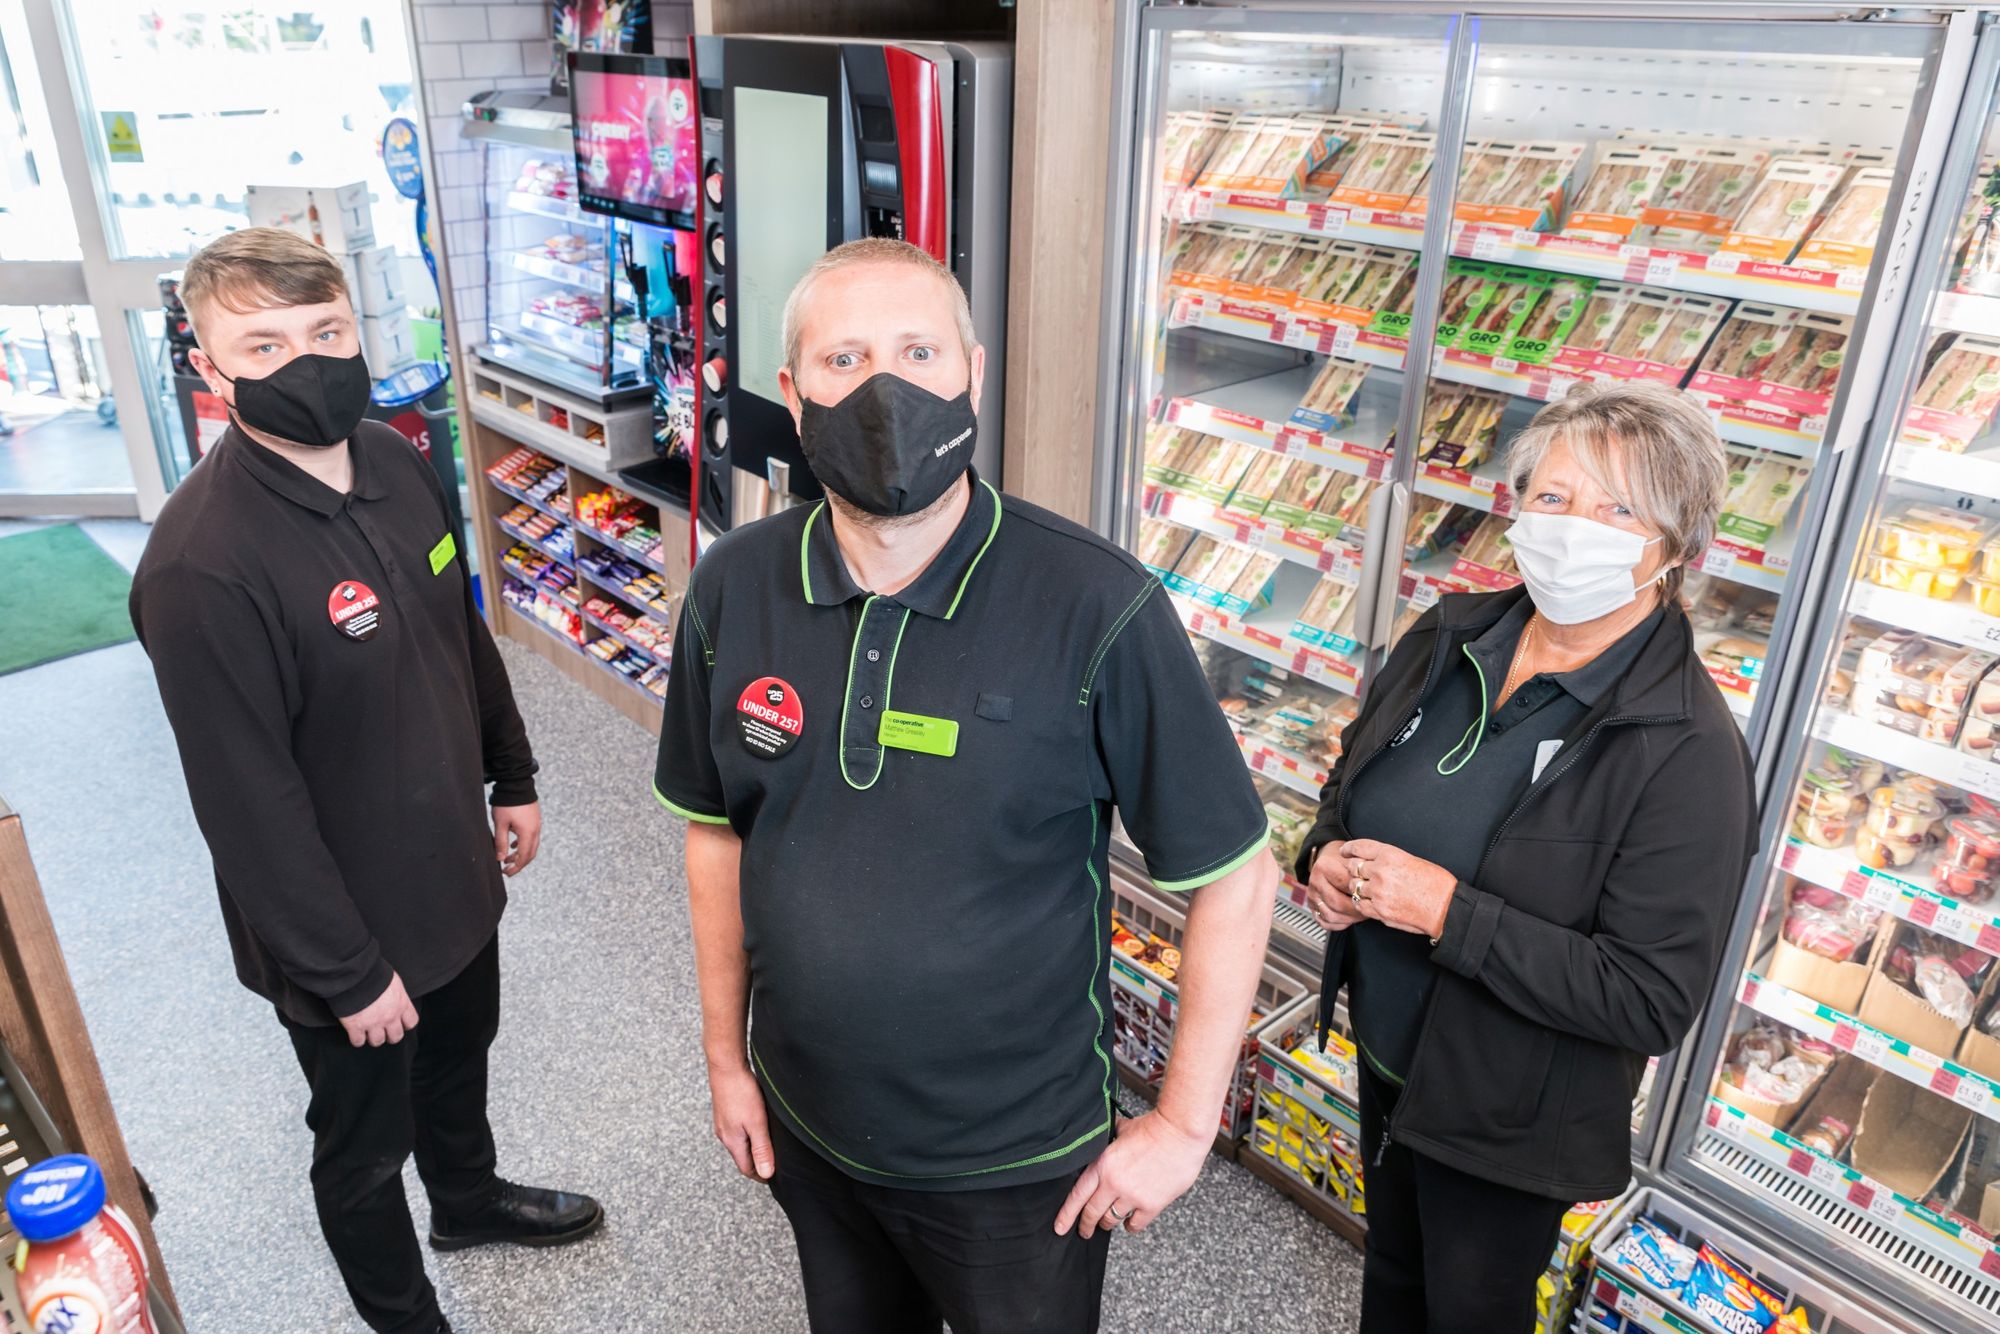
1329	893
1397	889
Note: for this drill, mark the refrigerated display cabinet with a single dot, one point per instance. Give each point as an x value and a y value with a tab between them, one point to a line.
1321	345
1845	1091
558	306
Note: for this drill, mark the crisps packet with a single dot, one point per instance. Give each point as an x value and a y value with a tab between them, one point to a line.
1721	1293
1654	1254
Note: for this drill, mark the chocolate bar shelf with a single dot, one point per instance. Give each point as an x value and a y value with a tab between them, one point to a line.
664	659
1925	1069
521	535
1928	758
611	543
1901	892
1832	291
1939	618
1282	328
1279	650
1298	217
1861	1202
509	489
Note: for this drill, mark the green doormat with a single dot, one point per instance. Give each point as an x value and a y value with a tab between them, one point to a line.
60	594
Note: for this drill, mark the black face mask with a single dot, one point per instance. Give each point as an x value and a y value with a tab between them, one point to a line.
891	447
311	400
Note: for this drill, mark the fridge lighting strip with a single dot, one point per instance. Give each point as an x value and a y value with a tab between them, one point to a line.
1982	1293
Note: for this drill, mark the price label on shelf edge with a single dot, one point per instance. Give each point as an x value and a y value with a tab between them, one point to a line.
1343	339
1641	1307
1882	1206
1662	269
1718	560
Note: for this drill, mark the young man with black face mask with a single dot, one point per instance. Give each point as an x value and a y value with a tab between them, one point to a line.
340	708
899	724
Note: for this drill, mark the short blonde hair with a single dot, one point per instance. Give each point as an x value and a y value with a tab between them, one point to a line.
872	250
1663	442
259	268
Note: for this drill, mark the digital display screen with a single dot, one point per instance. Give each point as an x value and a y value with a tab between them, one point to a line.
637	147
780	190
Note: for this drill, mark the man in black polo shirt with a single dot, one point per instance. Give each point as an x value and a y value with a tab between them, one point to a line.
340	707
899	724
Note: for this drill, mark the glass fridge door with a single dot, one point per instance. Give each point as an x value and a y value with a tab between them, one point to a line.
1263	379
1847	1090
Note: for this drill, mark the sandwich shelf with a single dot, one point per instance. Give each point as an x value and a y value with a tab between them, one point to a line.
1338	555
1972	773
1278	650
1279	327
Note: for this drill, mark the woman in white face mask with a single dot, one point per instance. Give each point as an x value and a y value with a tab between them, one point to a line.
1526	859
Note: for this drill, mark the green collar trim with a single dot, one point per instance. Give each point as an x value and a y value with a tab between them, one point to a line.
805	545
991	532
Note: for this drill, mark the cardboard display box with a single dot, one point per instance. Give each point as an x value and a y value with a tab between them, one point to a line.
375	280
1841	1095
336	217
1978	1049
1908	1136
1837	984
1900	1012
1779	1116
387	343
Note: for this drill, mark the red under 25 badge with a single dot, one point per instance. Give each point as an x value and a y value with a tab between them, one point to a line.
768	717
354	609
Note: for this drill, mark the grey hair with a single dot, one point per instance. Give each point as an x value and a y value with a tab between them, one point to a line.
1659	441
870	250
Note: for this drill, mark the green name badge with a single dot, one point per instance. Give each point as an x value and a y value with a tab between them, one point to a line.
913	731
442	553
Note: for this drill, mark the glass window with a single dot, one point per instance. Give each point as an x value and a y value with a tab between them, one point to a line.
35	217
300	95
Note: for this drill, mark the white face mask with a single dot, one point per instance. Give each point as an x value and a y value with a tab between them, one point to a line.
1576	569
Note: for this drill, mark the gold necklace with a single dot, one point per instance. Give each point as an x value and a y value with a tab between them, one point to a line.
1520	659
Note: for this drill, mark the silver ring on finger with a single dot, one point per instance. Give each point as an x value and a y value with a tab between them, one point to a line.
1113	1211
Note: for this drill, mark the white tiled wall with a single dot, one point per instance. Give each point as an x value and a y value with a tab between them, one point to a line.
464	48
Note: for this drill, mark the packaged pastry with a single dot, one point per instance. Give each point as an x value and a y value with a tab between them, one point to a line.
1970	864
1824	813
1938	982
1840	932
1620	187
1780	211
1956	398
1845	238
1760	1045
1829	1135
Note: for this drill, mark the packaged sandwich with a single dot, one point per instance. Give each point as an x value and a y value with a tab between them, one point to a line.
1700	195
1594	327
1216	471
1317	620
1263	480
1250	590
1298	493
1343	506
1744	350
1191	570
1845	238
1189	138
1460	425
1762	490
1621	184
1390	171
1489	546
1780	211
1301	269
1506	309
1161	543
1467	287
1327	403
1514	183
1237	142
1959	391
1558	305
1660	335
1167	449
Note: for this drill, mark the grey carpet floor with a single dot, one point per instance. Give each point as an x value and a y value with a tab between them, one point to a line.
597	1076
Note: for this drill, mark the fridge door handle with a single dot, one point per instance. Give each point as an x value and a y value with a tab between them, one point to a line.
1388	514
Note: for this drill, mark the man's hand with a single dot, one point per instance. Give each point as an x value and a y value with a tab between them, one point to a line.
517	836
386	1019
1330	889
1149	1166
741	1121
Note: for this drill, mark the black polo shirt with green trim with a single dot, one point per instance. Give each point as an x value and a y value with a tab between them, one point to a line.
924	786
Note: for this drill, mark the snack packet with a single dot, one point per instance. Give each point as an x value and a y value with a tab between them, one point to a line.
1945	988
1720	1292
1762	1046
1652	1253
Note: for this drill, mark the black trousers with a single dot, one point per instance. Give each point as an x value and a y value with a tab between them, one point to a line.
877	1260
371	1108
1447	1252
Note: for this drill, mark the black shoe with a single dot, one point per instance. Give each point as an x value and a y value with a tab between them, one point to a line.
523	1214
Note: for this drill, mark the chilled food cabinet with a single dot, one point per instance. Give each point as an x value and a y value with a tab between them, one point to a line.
1353	252
1846	1089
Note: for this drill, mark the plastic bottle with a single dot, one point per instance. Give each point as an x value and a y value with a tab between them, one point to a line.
83	1271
